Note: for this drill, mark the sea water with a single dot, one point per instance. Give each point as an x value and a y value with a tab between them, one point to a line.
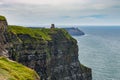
99	49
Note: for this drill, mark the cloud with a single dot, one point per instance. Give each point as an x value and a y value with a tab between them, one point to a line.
51	2
60	11
116	6
1	3
97	16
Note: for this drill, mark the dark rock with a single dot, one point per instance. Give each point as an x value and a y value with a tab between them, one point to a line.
3	27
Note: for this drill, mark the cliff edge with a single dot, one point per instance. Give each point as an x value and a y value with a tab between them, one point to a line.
11	70
3	27
52	53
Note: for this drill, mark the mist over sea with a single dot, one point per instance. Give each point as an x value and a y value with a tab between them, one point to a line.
99	49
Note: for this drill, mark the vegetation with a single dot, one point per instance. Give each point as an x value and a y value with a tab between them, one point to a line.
67	35
2	18
84	68
34	33
10	70
38	33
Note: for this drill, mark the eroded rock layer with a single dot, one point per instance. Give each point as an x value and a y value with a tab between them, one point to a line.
53	58
52	53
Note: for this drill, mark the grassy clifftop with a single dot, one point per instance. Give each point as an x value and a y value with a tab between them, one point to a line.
38	33
10	70
2	18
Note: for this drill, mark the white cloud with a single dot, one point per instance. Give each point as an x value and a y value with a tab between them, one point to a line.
50	2
54	11
1	3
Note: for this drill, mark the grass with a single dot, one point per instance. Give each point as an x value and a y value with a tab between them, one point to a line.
66	34
34	33
10	70
2	18
38	33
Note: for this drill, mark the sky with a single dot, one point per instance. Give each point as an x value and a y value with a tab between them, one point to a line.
61	12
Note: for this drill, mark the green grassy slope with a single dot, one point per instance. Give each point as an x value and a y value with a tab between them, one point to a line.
34	33
10	70
38	33
2	18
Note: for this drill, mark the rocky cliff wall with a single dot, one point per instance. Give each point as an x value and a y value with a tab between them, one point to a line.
11	70
52	53
3	27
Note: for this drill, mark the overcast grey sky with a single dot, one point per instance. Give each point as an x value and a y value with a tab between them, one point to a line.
69	12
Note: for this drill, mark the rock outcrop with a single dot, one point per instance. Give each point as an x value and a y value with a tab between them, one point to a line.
3	28
11	70
52	53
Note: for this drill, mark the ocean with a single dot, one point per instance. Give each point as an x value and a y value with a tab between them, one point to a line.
99	49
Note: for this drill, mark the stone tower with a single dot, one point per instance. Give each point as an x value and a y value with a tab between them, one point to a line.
52	26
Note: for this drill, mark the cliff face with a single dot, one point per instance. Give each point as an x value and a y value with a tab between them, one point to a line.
52	53
64	64
3	27
10	70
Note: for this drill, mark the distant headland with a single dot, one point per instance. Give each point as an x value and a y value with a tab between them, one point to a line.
74	31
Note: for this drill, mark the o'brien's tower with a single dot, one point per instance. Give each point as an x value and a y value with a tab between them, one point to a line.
52	26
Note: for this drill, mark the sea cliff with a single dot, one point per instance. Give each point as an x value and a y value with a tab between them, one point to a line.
74	31
9	69
52	53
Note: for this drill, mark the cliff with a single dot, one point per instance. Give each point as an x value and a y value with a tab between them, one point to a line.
74	31
52	53
3	27
10	70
